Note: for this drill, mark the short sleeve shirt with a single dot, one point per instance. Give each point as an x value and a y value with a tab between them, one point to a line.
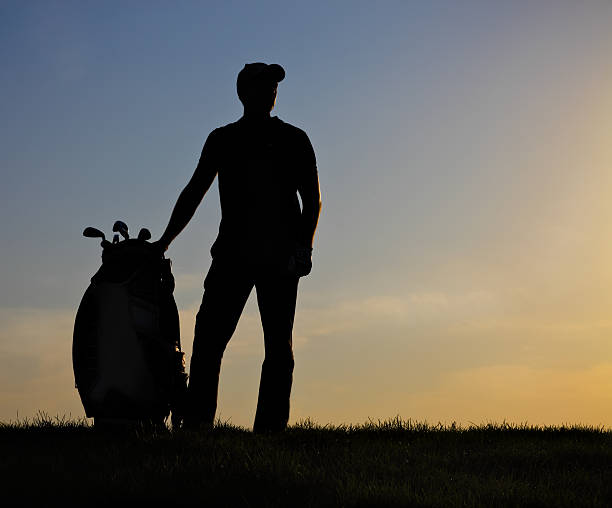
259	166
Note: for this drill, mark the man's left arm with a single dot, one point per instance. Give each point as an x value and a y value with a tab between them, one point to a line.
310	193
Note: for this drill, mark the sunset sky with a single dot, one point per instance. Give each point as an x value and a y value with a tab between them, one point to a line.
463	260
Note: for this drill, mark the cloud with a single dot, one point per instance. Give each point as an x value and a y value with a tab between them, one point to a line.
188	281
409	309
36	363
518	393
437	355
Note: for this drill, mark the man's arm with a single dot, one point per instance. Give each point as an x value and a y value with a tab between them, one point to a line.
192	194
310	192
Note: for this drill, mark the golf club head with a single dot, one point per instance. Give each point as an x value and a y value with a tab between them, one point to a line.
144	234
90	232
121	227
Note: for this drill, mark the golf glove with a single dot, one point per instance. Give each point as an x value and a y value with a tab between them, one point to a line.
301	261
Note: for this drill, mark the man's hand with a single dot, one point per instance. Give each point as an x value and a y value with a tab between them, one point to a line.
301	261
159	246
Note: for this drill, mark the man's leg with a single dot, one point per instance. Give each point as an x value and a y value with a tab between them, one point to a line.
276	297
226	291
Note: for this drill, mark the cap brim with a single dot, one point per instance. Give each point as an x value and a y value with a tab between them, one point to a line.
276	72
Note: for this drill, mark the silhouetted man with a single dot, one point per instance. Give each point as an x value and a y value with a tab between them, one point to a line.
265	240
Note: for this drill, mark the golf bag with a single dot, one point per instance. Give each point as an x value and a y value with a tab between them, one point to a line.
126	350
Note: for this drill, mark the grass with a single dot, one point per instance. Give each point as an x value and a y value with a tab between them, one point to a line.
384	463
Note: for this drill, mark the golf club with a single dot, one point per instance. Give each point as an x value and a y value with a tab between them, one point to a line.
121	227
144	234
90	232
96	233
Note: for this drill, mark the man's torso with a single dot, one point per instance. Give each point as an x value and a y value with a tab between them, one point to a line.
259	168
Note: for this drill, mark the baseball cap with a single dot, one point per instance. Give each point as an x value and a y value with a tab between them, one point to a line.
257	71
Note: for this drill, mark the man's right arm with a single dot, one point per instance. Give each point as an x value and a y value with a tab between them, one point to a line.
192	194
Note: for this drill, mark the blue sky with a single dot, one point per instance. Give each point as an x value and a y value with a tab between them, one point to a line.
465	171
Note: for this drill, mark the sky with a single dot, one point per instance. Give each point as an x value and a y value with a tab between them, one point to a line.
463	259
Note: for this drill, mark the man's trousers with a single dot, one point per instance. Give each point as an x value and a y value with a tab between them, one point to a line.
226	289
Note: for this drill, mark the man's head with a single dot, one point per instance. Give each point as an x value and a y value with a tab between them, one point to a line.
256	86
